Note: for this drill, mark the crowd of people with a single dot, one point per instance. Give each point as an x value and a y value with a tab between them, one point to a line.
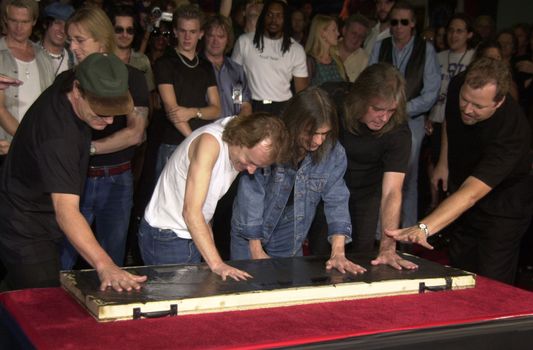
165	132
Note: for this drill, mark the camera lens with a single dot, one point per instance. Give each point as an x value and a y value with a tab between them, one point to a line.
156	12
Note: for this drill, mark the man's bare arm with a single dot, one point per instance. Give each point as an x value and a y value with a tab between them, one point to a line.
391	204
131	135
470	192
300	83
338	258
78	232
246	109
203	154
7	121
168	97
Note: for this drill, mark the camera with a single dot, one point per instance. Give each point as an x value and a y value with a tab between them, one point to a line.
166	16
159	16
156	12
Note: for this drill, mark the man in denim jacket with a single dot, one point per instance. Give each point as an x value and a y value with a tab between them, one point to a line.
275	207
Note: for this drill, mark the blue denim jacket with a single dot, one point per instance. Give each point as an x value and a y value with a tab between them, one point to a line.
262	197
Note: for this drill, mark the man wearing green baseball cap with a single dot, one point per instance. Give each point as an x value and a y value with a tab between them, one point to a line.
44	173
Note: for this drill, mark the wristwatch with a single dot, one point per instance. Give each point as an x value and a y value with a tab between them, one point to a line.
199	114
424	228
92	149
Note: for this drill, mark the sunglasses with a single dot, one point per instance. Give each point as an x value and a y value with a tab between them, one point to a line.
404	22
120	30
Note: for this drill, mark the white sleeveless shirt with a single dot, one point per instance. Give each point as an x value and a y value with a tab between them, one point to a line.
165	210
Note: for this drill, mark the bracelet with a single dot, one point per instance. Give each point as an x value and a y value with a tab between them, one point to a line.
424	228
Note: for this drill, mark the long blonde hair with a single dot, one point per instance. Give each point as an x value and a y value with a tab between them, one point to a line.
316	46
95	21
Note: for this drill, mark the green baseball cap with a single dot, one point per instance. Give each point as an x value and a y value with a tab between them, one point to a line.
103	78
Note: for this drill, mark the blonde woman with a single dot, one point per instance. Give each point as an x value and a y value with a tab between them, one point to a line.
322	63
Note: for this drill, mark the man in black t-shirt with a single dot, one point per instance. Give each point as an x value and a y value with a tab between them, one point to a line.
487	157
108	196
44	174
186	83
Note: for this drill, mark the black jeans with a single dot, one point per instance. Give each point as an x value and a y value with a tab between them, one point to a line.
486	244
275	108
39	270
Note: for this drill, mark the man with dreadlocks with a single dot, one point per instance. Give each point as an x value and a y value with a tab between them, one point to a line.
271	59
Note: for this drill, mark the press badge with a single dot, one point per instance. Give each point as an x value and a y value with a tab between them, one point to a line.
236	94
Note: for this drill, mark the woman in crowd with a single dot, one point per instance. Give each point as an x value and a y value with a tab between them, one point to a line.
322	63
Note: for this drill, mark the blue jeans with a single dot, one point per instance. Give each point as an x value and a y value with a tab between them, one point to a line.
410	185
283	242
106	201
160	246
163	155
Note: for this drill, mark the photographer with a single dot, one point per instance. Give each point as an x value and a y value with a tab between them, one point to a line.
160	13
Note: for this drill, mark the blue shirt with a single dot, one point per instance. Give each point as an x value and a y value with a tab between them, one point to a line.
263	196
230	78
430	91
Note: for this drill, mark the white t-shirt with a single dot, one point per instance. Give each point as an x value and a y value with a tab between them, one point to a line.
29	91
165	210
451	64
270	72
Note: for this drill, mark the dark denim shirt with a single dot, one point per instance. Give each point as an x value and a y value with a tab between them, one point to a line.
262	197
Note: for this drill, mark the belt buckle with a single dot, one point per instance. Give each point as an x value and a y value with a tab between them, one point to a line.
267	102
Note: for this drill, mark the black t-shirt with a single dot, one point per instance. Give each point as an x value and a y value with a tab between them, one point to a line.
370	156
190	86
494	151
140	95
49	154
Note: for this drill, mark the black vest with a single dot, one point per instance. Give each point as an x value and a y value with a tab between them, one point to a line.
414	72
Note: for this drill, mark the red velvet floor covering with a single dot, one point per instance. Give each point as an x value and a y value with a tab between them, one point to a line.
53	320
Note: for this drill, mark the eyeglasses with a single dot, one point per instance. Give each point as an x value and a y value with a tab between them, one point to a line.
404	22
120	30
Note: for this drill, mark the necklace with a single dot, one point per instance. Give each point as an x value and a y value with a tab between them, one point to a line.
23	67
402	58
194	65
54	56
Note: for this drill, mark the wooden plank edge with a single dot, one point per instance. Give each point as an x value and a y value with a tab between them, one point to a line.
273	298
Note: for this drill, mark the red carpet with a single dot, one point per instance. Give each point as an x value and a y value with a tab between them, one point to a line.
52	319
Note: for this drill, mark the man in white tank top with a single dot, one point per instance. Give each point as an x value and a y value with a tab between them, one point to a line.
175	228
